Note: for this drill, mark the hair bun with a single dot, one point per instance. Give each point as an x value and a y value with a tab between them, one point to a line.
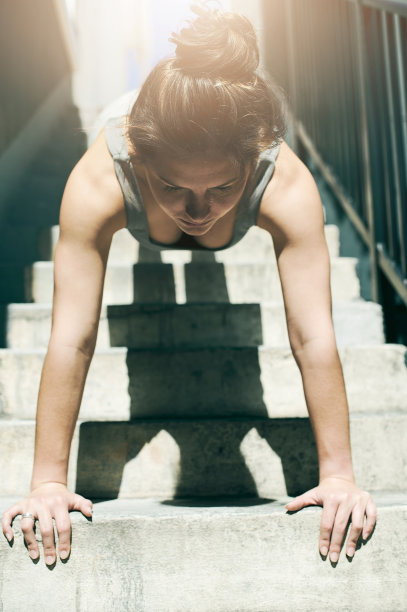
217	44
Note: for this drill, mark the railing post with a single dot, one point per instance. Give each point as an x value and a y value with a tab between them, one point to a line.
362	82
401	212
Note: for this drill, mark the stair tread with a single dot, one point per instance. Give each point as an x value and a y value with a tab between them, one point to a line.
196	324
212	506
143	383
246	281
153	555
173	457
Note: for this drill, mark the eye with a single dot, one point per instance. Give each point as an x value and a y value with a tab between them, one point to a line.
225	188
170	188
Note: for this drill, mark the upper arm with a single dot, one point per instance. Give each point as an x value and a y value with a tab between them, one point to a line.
292	213
91	211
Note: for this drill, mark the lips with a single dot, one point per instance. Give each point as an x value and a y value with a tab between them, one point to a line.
200	224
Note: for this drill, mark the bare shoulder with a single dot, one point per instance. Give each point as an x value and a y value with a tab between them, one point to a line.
291	203
92	198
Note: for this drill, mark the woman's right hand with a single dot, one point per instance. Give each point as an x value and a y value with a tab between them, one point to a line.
50	500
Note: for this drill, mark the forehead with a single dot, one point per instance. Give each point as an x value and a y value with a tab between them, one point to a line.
211	169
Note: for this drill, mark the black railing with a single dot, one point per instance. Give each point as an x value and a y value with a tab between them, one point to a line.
344	66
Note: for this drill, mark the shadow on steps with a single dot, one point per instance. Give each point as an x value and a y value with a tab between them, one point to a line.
235	450
185	458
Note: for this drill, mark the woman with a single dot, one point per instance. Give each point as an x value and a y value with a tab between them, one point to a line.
200	160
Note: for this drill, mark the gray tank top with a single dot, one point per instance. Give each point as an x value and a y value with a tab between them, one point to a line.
247	210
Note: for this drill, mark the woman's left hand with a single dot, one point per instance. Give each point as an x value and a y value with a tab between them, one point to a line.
341	500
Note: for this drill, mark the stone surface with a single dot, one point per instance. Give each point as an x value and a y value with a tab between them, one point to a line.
199	281
213	382
205	457
223	555
194	325
212	415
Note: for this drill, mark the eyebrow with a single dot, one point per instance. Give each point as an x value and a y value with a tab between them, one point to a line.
232	180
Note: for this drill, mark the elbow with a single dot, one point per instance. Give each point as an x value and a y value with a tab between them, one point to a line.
82	345
314	350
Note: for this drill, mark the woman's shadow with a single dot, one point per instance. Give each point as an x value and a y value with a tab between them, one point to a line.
199	426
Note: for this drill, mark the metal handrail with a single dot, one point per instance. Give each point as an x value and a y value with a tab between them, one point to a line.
345	73
392	6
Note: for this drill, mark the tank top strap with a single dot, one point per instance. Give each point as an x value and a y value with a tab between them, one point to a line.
248	213
115	139
133	201
264	172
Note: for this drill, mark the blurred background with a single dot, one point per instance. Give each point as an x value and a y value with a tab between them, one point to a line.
341	62
118	43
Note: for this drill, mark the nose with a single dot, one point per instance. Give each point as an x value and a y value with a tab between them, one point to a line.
197	207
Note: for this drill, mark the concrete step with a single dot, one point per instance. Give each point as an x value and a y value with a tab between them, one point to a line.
256	246
205	457
208	555
256	382
195	282
144	326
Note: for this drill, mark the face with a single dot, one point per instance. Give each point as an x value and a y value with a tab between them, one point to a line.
195	193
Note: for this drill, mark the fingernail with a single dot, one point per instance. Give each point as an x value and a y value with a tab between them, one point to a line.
350	552
33	554
63	554
334	557
49	560
324	551
9	537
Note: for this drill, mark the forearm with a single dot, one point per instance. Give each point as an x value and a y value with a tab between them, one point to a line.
325	395
62	382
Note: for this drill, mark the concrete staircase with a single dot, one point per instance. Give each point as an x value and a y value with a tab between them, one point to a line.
193	434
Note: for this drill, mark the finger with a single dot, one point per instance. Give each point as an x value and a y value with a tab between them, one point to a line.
27	527
47	535
338	532
63	525
371	516
358	516
306	499
325	531
7	520
82	504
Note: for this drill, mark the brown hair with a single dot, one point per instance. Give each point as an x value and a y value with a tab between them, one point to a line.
209	96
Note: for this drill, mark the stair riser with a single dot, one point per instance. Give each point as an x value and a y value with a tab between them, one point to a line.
196	283
217	382
246	457
255	246
220	561
195	326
